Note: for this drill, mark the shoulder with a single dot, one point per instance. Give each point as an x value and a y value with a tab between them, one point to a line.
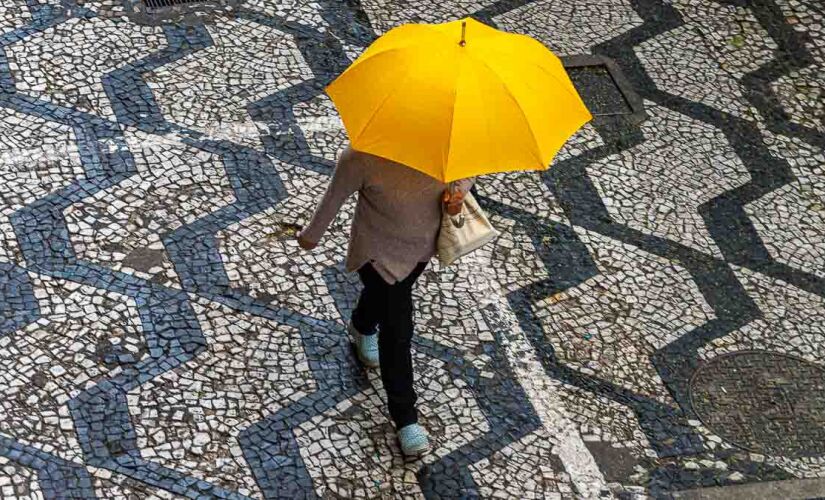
347	155
355	159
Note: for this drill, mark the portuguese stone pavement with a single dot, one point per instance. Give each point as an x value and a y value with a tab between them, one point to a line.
161	336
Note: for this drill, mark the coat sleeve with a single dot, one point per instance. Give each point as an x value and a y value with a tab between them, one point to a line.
347	178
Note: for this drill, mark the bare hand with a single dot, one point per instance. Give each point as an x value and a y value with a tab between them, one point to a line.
453	202
305	243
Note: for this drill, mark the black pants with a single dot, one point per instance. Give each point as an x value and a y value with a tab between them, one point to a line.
390	309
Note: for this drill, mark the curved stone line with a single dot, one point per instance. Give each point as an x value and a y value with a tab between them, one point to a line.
18	305
101	415
326	58
131	98
487	14
352	25
193	248
791	55
323	53
42	19
56	477
194	251
51	252
275	457
734	309
569	263
506	407
728	224
675	362
661	423
276	111
169	326
269	445
722	291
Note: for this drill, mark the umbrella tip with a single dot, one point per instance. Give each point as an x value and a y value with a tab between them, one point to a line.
463	30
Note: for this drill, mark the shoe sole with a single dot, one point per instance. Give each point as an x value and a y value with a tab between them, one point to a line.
361	359
368	364
417	453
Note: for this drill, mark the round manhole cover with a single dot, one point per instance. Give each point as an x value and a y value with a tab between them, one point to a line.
765	402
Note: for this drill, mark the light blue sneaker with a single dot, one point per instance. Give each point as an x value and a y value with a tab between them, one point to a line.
414	440
366	346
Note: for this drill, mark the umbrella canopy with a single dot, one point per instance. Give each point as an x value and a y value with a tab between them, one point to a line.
458	99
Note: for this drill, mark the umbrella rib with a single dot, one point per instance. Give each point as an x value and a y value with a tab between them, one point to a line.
381	106
521	111
446	161
568	87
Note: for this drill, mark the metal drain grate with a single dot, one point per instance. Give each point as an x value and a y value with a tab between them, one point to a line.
599	91
762	401
190	12
153	6
603	88
159	4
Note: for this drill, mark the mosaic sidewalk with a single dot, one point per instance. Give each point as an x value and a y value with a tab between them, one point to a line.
652	319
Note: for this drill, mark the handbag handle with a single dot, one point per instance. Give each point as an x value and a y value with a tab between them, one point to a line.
457	223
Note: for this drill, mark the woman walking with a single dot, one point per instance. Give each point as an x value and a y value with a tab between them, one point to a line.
392	238
423	105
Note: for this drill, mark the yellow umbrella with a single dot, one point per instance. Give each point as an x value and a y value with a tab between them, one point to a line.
458	99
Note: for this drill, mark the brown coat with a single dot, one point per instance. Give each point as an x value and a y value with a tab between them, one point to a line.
397	217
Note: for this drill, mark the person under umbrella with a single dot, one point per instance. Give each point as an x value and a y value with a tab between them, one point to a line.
428	108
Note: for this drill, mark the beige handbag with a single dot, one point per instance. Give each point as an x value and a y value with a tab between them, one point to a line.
463	233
